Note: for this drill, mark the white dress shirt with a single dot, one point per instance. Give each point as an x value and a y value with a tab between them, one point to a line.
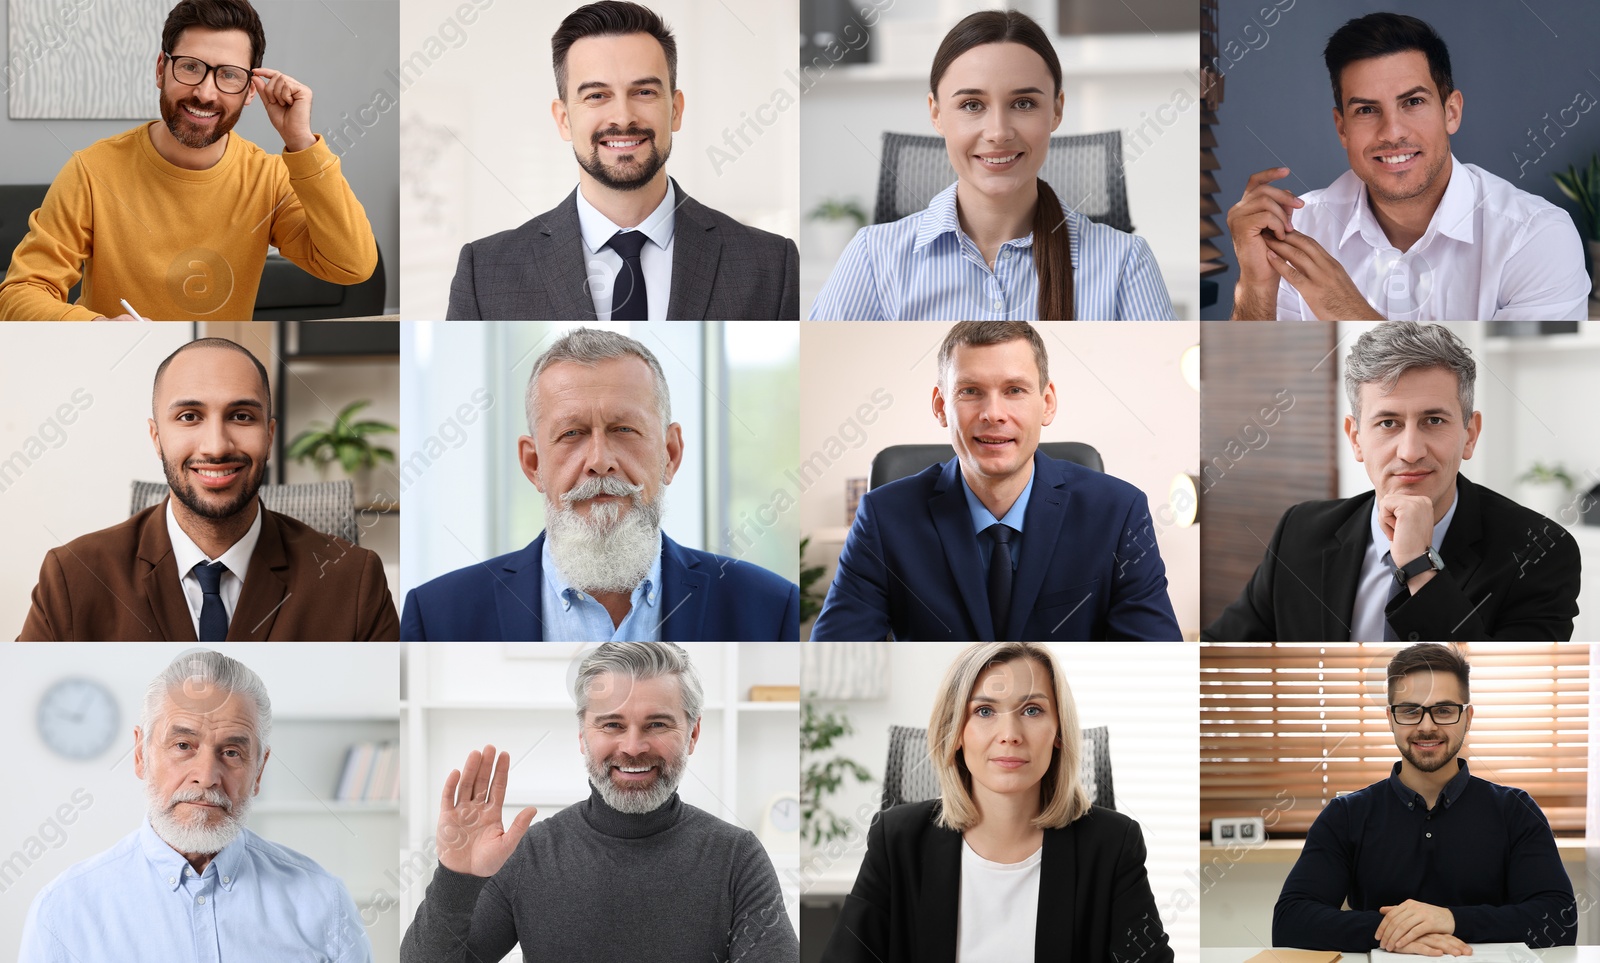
1377	584
187	554
1491	252
998	915
655	258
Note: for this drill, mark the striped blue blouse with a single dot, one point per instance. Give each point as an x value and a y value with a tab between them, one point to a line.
925	268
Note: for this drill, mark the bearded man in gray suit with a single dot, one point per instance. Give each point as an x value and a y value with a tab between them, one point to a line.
628	244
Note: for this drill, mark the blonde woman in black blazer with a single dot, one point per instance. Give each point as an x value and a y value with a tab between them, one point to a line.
1054	878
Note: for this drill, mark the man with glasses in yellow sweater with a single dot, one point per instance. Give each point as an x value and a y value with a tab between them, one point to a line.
175	218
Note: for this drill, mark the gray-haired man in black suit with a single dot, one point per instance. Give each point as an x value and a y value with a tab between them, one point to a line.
628	244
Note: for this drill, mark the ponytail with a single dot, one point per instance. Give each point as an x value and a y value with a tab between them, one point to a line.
1052	257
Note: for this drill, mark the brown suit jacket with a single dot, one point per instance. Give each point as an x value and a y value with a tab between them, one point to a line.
122	584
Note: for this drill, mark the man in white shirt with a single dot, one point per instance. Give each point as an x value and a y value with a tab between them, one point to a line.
1409	232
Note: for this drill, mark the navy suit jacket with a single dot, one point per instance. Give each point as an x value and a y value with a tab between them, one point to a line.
704	598
1089	567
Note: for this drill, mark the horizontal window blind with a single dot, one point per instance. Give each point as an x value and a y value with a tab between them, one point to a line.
1285	727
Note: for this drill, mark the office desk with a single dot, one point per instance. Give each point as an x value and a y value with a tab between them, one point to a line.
1556	954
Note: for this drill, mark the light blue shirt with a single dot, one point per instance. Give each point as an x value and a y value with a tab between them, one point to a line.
655	258
572	615
925	268
141	901
983	519
1376	585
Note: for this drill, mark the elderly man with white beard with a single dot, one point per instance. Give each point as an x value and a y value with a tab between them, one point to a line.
633	874
602	448
192	883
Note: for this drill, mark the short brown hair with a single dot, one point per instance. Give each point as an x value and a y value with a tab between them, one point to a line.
611	18
216	15
980	333
1062	797
1431	656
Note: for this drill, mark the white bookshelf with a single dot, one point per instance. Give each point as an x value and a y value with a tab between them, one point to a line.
457	697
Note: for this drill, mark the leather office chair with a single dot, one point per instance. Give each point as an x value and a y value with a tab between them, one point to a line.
1085	171
908	775
328	507
899	461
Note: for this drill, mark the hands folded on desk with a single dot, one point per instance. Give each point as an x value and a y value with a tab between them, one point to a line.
1420	928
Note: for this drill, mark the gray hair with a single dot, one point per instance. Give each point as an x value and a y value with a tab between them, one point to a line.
1386	352
199	673
589	347
640	660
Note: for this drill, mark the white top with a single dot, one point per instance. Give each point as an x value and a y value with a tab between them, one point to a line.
187	554
1491	252
1376	585
999	909
602	263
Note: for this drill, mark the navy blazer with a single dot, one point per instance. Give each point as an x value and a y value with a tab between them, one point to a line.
704	598
1089	567
1095	903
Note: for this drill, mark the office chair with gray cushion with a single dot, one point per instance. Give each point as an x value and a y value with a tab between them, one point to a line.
908	775
1085	171
901	461
328	507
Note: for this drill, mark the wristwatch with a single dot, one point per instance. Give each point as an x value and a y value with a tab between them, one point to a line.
1426	562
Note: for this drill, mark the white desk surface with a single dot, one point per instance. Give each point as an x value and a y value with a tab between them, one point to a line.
1556	954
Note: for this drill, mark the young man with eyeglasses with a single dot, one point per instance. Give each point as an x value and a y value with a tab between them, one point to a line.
1433	858
175	217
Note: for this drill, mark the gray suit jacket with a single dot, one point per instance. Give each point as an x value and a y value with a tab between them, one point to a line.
721	270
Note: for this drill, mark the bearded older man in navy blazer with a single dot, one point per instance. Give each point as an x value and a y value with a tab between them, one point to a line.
602	447
1000	542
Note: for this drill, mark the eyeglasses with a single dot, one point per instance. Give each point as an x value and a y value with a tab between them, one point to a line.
1444	714
192	73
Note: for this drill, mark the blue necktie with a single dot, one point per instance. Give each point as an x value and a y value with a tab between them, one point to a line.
213	616
629	299
1000	579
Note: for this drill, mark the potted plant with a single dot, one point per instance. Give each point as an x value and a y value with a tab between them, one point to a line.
823	777
1583	186
346	442
810	598
833	224
1545	489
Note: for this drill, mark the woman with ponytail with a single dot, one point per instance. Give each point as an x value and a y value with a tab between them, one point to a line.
998	244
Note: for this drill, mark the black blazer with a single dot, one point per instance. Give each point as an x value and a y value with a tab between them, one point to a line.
1095	904
1509	573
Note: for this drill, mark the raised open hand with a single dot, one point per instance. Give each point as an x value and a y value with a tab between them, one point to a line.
471	839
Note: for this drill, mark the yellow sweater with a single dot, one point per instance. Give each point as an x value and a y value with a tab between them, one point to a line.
183	245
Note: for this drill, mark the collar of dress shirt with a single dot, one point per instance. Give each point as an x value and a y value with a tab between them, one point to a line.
187	554
1452	218
982	518
1449	794
169	865
939	218
647	591
597	228
1443	525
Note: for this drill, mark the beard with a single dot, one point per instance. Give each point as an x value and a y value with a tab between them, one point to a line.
186	492
195	834
612	549
1432	168
641	798
629	174
186	131
1438	761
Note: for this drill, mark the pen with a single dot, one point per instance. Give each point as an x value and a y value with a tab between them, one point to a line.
129	308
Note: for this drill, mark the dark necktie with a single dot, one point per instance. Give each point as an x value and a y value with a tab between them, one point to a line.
1389	634
1000	579
213	616
629	299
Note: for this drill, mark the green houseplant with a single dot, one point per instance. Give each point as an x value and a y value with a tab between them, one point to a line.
346	442
1583	186
810	598
823	777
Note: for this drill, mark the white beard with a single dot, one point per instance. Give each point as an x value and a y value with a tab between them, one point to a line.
195	837
611	550
636	799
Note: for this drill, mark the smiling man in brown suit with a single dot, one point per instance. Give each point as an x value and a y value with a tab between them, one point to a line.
211	563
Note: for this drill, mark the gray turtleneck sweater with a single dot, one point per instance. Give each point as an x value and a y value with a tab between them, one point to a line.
593	884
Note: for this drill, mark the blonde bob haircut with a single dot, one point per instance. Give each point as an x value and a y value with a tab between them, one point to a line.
1062	797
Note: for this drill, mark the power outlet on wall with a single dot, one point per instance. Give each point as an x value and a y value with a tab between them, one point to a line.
1238	831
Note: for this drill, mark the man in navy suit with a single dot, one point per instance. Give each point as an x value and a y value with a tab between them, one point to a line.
602	448
1000	542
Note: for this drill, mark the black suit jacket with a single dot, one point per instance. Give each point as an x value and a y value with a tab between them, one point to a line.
1095	904
721	270
1509	574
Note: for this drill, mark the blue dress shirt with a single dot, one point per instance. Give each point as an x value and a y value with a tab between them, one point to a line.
925	268
572	615
140	901
983	519
1484	852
